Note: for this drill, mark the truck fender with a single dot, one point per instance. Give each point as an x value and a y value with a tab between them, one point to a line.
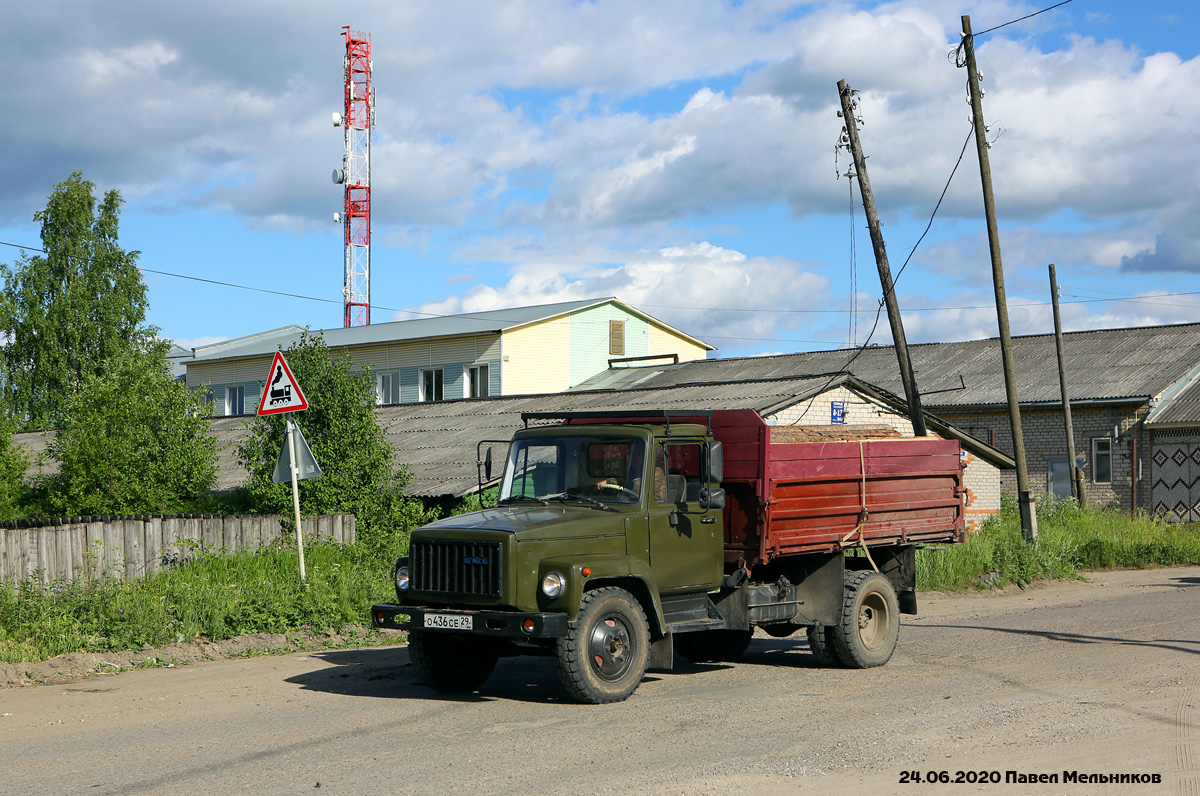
630	574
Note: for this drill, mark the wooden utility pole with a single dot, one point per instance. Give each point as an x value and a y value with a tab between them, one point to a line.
1076	474
911	394
1024	497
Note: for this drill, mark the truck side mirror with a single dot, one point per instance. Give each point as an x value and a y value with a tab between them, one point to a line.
487	465
716	462
712	498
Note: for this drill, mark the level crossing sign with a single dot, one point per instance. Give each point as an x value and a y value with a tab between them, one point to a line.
281	393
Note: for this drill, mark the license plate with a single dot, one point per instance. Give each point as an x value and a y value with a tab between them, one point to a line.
449	621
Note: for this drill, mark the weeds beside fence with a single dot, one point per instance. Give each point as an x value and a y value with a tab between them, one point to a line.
1070	539
215	595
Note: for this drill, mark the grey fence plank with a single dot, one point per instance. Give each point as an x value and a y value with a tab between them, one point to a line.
133	537
152	530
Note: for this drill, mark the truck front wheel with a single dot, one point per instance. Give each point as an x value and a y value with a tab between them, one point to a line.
449	662
604	655
869	626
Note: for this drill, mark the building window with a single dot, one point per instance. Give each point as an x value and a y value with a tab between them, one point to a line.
387	389
1101	460
616	338
477	381
235	400
431	385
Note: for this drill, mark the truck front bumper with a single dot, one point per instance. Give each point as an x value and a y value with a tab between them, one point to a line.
507	624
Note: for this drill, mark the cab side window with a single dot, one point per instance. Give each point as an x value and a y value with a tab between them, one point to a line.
685	465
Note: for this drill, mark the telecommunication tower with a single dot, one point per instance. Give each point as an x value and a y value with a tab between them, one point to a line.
355	174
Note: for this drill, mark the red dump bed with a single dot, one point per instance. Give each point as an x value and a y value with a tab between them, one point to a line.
786	497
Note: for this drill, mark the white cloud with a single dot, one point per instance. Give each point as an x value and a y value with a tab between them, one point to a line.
713	293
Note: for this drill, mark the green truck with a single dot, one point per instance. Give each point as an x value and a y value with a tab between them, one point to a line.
619	539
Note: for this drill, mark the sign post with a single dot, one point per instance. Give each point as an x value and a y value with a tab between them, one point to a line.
282	394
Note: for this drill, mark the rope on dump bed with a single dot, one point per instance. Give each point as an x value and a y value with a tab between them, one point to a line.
862	513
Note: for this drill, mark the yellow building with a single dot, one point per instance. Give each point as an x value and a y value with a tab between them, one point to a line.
522	350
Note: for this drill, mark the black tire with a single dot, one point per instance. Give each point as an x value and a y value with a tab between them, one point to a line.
870	623
713	645
449	662
603	657
819	646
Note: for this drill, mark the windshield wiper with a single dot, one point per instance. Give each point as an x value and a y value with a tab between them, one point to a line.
565	496
523	499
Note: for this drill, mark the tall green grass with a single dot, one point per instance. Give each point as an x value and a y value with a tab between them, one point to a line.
215	594
1070	539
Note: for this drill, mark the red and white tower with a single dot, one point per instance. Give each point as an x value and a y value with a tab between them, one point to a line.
355	174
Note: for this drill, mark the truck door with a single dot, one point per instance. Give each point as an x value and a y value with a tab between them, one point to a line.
686	544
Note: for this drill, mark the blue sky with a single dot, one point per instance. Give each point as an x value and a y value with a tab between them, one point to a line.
678	155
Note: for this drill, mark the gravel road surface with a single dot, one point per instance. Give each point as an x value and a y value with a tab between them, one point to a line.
1099	677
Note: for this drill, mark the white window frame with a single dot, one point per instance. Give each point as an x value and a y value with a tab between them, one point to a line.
230	391
478	384
439	386
382	397
1098	455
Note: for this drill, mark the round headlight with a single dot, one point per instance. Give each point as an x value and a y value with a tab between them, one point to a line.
402	578
553	584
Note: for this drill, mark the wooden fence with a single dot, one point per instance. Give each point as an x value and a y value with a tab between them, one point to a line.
71	548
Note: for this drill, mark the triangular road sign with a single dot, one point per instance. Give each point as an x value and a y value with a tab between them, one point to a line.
281	393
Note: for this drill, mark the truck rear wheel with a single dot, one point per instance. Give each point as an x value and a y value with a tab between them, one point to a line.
870	623
821	647
449	662
603	657
713	645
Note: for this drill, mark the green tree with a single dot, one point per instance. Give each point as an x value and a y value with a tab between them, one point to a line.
138	441
13	463
65	314
359	474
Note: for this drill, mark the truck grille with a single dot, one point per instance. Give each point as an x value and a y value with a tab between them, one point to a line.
451	567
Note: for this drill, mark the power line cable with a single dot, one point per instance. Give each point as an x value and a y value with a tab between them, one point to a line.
938	205
1022	19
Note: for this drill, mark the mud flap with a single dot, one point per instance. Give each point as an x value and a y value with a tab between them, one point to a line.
662	653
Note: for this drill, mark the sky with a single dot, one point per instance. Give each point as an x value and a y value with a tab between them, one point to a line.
679	155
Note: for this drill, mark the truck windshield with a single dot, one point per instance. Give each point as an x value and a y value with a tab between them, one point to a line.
608	469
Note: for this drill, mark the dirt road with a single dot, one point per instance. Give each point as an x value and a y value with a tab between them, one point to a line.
1099	678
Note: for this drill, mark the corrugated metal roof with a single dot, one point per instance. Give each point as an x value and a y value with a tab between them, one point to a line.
421	328
1101	365
1180	403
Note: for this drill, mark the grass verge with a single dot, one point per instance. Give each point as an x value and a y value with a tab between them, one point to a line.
1070	539
214	595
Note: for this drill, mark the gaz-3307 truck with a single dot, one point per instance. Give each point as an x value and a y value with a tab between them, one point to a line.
621	538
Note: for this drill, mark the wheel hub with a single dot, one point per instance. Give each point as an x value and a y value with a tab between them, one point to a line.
872	621
608	648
